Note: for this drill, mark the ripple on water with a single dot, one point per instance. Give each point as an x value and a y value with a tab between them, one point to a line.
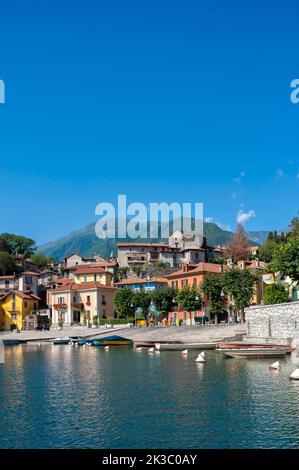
57	396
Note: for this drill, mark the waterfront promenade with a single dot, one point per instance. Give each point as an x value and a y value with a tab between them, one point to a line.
163	333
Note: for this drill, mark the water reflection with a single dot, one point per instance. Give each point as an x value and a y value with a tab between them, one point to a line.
60	396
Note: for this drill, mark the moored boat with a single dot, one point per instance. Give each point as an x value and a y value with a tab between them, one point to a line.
242	345
112	341
65	340
251	352
183	346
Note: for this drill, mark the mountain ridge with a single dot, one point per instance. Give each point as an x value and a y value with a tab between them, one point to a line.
86	242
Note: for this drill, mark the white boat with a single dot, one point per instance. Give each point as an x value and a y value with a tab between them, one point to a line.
250	352
65	340
183	346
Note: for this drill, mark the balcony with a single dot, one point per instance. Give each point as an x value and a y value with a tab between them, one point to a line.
60	306
78	305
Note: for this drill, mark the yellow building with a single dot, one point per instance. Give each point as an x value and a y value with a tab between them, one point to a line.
14	307
92	274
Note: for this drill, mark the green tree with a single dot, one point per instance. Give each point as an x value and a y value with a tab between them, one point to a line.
164	299
17	244
267	249
125	302
239	284
143	301
286	259
41	259
276	294
7	264
189	299
212	286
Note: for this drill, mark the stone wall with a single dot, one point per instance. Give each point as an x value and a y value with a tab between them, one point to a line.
275	323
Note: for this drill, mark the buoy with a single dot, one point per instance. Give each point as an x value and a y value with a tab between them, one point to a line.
200	358
185	352
157	346
294	375
275	366
106	348
151	350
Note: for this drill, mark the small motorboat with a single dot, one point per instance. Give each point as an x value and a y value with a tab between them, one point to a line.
65	340
112	341
257	352
245	345
183	346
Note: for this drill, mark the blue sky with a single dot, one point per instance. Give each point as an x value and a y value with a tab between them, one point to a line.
159	100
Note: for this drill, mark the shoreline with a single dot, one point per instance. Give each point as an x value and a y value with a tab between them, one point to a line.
157	333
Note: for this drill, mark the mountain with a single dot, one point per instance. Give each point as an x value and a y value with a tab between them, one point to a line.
259	237
85	241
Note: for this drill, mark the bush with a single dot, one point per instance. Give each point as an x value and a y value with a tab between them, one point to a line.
95	320
276	294
116	321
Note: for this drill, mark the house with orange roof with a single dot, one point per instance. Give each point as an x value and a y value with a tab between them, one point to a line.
71	301
15	307
192	276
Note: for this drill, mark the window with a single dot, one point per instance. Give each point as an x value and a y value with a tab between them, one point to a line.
25	304
85	278
194	282
78	277
95	277
103	300
13	316
61	300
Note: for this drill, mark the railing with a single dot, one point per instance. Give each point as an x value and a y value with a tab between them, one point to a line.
78	305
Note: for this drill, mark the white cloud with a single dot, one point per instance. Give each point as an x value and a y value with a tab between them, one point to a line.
209	219
238	179
279	173
298	175
243	216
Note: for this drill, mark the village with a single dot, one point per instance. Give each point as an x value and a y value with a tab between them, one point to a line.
181	283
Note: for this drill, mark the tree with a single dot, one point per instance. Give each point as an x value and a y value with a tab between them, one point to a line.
267	249
286	259
125	302
41	259
143	301
239	284
212	286
189	299
276	294
164	300
17	244
295	227
238	247
7	264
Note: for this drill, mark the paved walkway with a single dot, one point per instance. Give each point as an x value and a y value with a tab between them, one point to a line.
166	333
81	331
185	333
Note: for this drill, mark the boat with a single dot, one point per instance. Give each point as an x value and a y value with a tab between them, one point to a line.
13	342
182	346
112	341
65	340
254	352
83	341
245	345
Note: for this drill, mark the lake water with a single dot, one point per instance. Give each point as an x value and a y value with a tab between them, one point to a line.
66	397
